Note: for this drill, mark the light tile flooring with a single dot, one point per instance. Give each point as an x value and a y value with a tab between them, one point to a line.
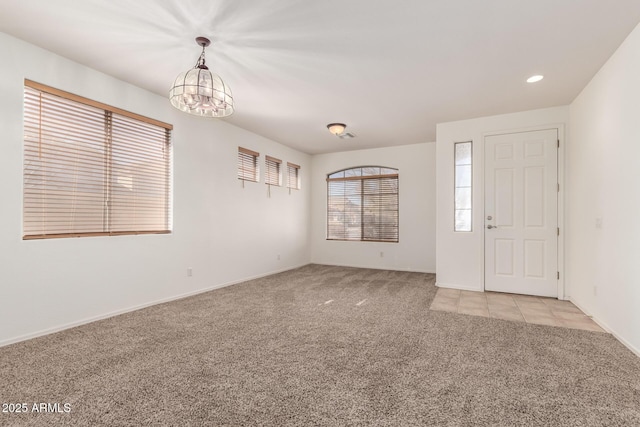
519	308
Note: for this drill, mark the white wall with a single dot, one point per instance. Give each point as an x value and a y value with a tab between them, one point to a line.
603	265
222	231
415	250
460	260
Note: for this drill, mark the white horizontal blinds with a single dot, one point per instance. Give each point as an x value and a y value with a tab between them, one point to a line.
293	176
69	184
344	214
248	165
362	204
380	209
140	177
272	172
64	166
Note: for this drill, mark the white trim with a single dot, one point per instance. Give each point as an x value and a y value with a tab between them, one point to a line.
135	308
608	329
388	268
562	290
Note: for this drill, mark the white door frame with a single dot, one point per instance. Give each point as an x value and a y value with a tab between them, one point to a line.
560	127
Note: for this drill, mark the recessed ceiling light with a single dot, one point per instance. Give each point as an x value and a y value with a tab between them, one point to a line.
535	78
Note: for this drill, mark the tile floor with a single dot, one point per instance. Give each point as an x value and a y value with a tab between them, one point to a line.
518	308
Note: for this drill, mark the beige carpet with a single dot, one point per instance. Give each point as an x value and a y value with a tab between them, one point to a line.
321	345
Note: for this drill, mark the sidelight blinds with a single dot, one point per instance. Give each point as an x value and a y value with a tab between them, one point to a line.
91	169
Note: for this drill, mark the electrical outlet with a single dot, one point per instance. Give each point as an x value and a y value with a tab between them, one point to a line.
598	222
278	257
189	272
381	254
595	291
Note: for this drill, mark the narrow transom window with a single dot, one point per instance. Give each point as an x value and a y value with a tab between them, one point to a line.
272	173
463	186
91	169
362	204
293	176
248	169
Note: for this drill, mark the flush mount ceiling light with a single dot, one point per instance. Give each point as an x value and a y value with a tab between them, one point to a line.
534	79
201	92
336	128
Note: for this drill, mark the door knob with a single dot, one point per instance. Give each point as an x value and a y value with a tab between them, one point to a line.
491	226
489	217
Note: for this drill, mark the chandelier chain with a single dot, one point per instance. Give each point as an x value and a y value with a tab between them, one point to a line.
200	63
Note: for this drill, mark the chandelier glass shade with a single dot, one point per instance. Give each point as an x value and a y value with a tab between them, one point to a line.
201	92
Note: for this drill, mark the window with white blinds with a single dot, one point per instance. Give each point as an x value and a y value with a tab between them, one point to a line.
248	169
362	204
272	172
293	176
91	169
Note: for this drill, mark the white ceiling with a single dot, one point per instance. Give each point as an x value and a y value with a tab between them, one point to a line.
389	69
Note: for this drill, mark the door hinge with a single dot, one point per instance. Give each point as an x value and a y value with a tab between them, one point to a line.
558	231
558	187
558	143
558	275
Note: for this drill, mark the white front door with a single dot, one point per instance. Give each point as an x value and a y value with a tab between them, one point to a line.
521	213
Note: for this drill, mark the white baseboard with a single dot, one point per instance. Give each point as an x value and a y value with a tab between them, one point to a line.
607	328
407	269
136	307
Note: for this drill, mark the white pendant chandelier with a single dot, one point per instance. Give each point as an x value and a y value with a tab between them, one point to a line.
201	92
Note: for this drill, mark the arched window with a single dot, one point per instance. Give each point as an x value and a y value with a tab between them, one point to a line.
362	204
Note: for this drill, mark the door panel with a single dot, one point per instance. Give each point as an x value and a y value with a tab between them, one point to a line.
521	205
504	203
534	254
534	193
504	257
